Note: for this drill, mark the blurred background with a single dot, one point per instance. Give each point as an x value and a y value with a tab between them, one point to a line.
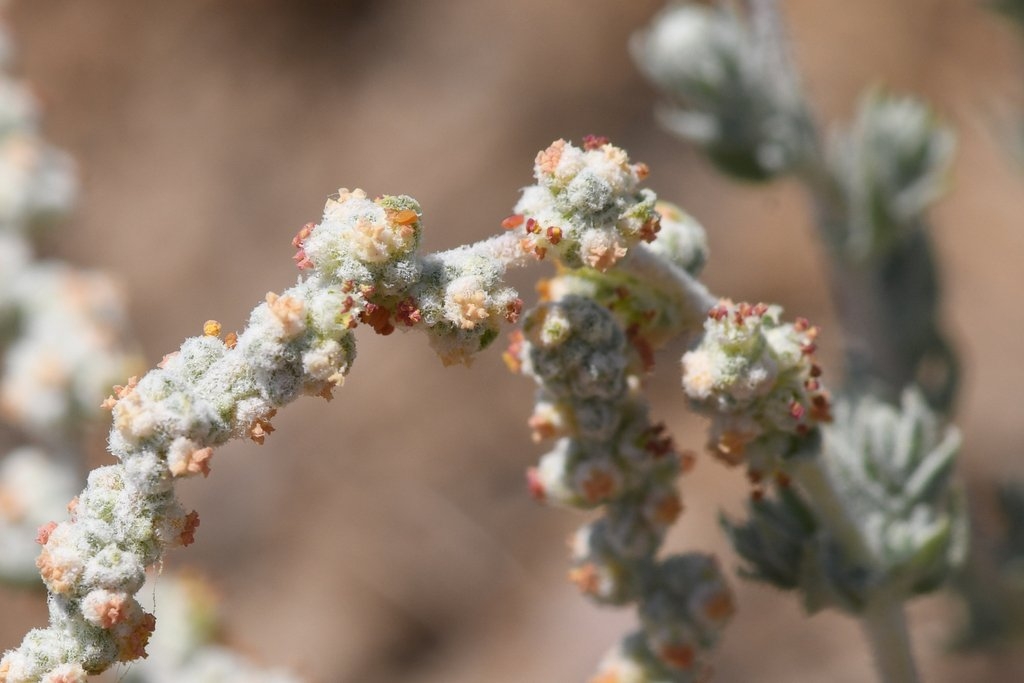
388	535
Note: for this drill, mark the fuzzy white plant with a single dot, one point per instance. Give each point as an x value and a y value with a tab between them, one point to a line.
625	285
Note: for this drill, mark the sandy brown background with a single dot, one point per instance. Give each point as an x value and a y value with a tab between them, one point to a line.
387	536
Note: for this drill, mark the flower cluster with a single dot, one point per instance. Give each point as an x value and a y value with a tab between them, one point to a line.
609	453
587	345
369	246
757	379
681	240
653	293
165	426
670	649
586	207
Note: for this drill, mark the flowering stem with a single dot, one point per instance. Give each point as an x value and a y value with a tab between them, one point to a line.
886	630
690	295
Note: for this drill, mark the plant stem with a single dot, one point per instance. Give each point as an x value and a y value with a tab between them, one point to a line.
813	477
882	618
886	631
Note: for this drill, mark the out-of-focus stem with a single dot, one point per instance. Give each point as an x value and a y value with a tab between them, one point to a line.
886	629
882	618
814	480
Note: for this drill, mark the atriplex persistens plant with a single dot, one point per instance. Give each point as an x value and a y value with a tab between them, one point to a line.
860	515
621	291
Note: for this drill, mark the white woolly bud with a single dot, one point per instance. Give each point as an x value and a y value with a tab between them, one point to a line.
147	473
361	230
288	313
326	362
185	458
602	249
554	328
15	667
550	476
62	559
598	571
550	420
173	526
115	569
466	302
690	44
681	239
105	609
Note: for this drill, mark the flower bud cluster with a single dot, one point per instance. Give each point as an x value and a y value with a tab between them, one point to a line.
63	335
165	427
609	453
682	241
891	165
668	649
369	246
362	269
652	294
360	266
586	207
586	345
756	378
718	75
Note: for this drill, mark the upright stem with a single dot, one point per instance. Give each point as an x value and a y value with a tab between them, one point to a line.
814	480
886	630
882	618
